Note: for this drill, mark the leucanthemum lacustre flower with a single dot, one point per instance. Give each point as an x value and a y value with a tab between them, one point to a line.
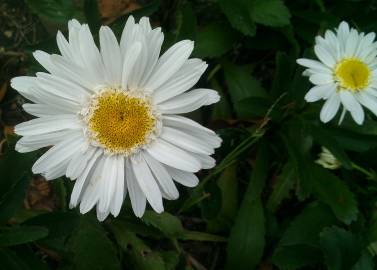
346	73
112	117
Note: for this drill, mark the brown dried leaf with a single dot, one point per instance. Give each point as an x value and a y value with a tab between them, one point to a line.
110	10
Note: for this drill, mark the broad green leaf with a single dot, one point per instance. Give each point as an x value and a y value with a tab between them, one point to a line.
201	236
10	261
92	15
285	67
365	262
15	171
53	10
332	191
283	185
296	257
305	228
21	235
186	23
168	224
270	12
91	247
340	247
253	107
299	244
238	15
58	223
137	254
246	240
213	40
241	85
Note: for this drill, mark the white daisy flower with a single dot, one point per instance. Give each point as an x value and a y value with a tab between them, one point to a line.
346	73
112	117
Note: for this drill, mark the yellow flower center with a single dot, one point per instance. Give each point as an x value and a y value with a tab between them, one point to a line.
352	74
119	122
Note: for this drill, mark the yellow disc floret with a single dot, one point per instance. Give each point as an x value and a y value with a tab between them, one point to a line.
120	122
352	74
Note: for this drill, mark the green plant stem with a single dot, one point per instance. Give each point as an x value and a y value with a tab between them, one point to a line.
370	175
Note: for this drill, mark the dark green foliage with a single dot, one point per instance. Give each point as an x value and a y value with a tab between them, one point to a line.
266	205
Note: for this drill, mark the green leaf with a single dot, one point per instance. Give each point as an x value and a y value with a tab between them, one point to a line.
137	254
332	191
241	85
285	67
201	236
91	247
253	107
10	260
365	262
168	224
284	183
53	10
246	240
295	257
16	173
238	15
58	223
186	23
270	12
340	248
305	228
92	15
213	40
21	235
299	244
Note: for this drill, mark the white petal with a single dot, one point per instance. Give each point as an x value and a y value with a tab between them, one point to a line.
368	101
62	88
34	142
350	103
330	108
162	176
189	101
325	56
320	92
137	197
185	141
90	54
47	124
321	78
185	78
193	128
64	46
83	180
108	183
169	63
315	65
78	163
44	59
111	56
120	189
206	161
352	43
93	188
129	62
173	156
58	153
147	183
41	110
184	178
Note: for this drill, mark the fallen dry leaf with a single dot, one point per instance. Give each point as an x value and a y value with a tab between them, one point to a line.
110	10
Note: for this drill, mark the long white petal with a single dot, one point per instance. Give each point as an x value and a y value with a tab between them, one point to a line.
137	197
330	108
350	103
147	183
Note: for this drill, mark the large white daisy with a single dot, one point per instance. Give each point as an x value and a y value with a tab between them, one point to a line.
112	117
346	73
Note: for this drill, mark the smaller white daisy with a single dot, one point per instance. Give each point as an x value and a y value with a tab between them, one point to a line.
346	73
